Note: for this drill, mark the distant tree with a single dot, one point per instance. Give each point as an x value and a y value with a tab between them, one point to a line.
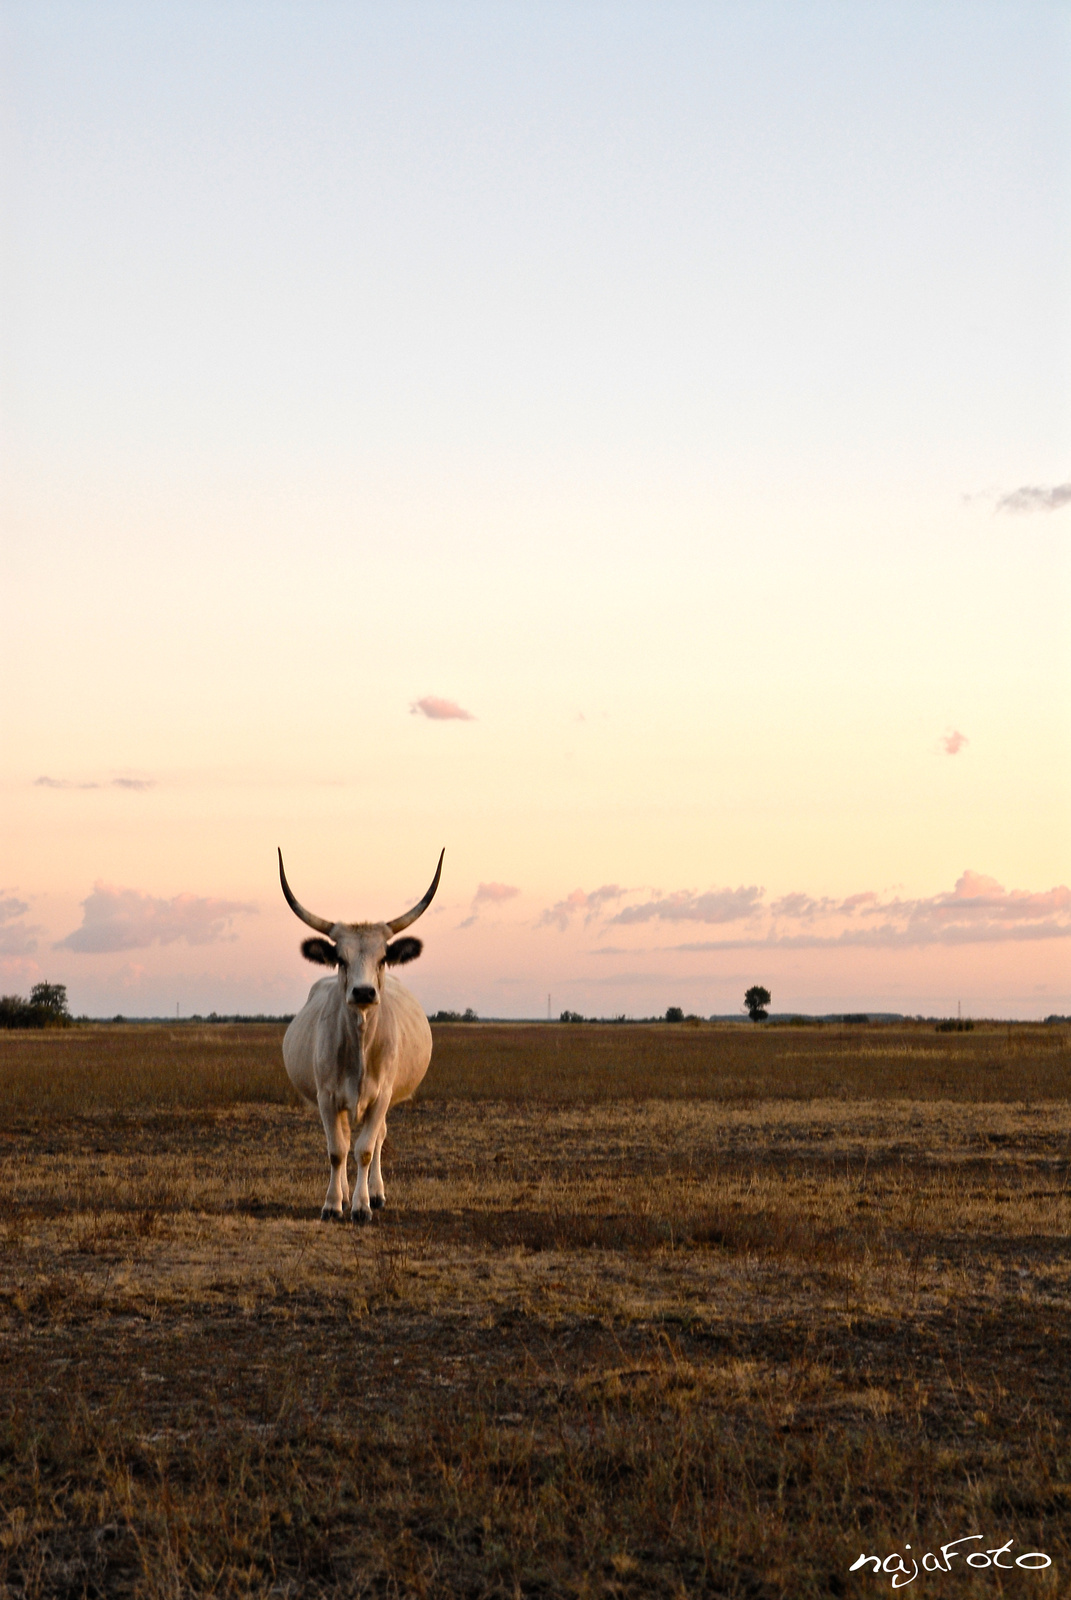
470	1015
570	1016
51	999
755	1002
674	1014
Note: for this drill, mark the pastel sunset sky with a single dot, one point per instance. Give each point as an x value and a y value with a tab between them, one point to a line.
627	444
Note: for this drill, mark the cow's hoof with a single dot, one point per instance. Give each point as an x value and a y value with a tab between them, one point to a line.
377	1202
361	1214
327	1215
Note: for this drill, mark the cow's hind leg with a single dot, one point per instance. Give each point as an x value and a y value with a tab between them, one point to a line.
337	1128
377	1192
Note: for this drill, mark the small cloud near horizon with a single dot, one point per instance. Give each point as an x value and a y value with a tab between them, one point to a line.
136	784
489	894
125	919
954	742
1036	497
439	710
495	893
717	905
16	935
561	914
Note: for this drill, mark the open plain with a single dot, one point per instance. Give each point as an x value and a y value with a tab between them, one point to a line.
653	1311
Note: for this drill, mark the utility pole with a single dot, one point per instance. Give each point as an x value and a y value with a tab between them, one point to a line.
548	1007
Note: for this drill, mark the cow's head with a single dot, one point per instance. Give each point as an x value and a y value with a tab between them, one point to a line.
361	951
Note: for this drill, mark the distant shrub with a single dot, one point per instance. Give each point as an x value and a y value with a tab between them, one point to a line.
955	1025
46	1008
857	1017
445	1016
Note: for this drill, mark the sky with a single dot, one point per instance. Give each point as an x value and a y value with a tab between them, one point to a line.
625	444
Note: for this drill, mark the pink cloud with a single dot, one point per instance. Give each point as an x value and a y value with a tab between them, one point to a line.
489	894
138	785
495	893
16	934
801	907
560	915
954	742
856	901
440	710
717	905
125	919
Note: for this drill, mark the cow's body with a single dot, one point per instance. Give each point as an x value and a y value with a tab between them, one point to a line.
360	1044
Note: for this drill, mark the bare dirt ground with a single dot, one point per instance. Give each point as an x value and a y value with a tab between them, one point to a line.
809	1301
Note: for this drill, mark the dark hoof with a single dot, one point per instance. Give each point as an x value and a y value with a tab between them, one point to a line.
377	1202
360	1214
326	1215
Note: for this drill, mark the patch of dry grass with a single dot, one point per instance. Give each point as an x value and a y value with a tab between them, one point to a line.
612	1343
118	1067
744	1063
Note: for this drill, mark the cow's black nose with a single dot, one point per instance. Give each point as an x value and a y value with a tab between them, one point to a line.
363	994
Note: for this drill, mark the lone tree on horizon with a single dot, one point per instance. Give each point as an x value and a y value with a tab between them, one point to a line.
756	1000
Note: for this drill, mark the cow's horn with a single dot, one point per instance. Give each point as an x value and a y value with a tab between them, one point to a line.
321	924
396	924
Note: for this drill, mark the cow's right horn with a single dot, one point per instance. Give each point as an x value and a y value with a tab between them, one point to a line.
396	924
321	924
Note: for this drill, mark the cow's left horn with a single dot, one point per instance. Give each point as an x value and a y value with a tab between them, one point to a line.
396	924
321	924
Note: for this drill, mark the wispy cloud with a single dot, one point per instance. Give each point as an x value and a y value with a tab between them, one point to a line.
561	915
803	907
125	919
1035	497
495	893
440	710
489	894
977	911
137	784
954	742
717	905
17	937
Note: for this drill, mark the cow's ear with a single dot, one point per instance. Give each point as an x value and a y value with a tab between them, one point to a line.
322	951
403	950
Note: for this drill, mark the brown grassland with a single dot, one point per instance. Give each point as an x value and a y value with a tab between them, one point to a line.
653	1311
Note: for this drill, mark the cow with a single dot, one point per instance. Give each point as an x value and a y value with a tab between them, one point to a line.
360	1044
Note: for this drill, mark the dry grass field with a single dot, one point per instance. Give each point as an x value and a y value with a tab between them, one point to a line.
661	1311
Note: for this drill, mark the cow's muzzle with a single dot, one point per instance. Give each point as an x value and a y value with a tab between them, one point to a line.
363	994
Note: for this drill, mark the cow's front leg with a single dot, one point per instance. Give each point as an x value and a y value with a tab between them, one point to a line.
365	1145
336	1123
377	1192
